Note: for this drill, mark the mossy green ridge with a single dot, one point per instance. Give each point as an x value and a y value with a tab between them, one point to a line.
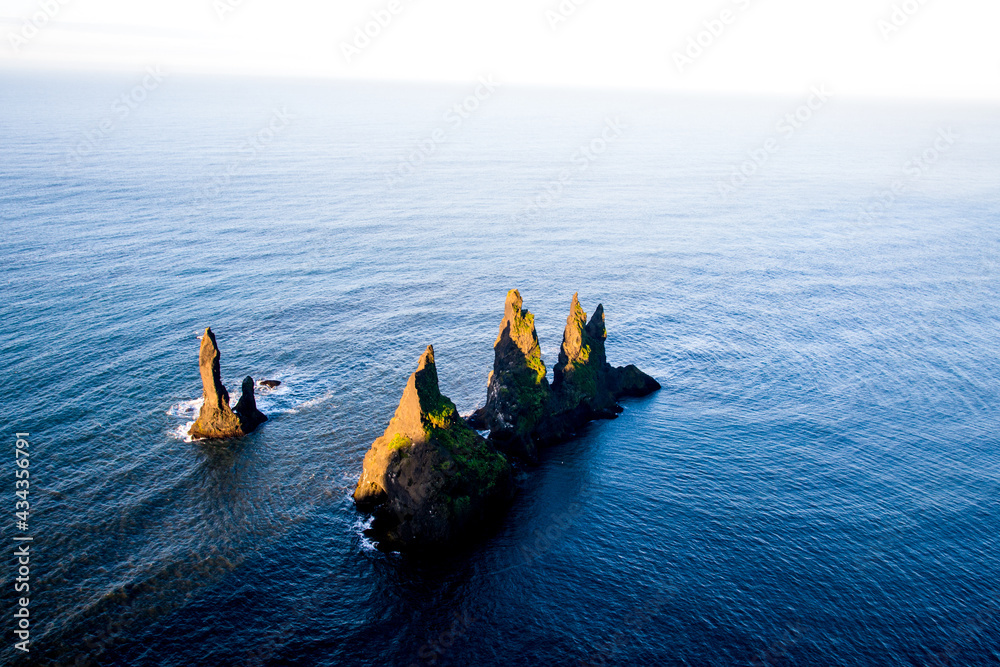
430	478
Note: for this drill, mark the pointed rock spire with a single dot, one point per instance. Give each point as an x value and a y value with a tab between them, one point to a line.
517	391
597	334
585	385
423	406
583	343
216	419
580	375
572	344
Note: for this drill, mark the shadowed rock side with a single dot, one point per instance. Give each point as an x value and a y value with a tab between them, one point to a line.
216	419
517	391
246	408
430	478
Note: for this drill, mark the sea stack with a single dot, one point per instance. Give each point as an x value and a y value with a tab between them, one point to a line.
585	386
582	377
216	419
430	478
523	411
246	408
517	391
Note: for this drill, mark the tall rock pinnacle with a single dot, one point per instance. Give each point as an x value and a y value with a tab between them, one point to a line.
584	382
216	419
517	391
583	375
246	408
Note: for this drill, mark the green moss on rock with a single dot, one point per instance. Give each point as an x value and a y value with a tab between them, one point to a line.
518	389
430	478
399	441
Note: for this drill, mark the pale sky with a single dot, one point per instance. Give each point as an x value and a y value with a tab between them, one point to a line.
898	48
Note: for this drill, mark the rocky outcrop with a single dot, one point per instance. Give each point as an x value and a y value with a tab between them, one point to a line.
583	376
216	419
270	384
630	381
430	478
522	411
517	391
585	386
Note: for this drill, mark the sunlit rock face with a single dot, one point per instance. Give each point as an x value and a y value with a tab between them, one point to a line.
217	420
585	386
522	411
430	479
517	392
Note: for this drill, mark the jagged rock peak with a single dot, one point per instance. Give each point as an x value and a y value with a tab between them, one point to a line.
583	341
423	407
596	330
576	324
519	324
426	389
585	385
518	390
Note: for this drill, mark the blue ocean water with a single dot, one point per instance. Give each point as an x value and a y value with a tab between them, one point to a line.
816	484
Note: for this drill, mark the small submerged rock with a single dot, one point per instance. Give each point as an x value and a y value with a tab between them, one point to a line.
217	420
270	384
430	478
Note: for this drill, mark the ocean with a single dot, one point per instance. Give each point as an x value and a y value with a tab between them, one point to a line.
813	280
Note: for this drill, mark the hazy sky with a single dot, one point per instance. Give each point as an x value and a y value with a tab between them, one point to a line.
923	48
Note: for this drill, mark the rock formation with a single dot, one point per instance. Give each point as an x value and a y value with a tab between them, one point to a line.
246	408
430	478
517	391
523	411
583	375
217	419
270	384
585	386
